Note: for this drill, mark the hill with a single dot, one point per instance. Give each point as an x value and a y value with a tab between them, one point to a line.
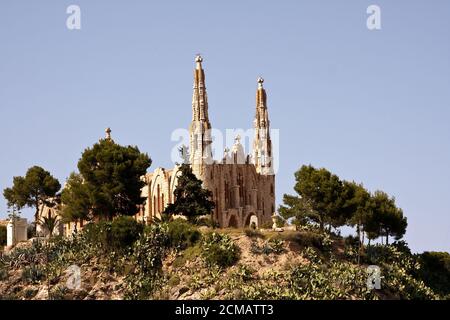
178	260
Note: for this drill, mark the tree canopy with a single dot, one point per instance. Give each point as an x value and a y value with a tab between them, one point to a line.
322	198
37	187
109	182
191	199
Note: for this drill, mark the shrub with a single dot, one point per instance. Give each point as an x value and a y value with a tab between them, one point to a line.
266	225
275	245
351	241
31	230
182	234
253	233
304	238
125	231
119	234
206	221
33	274
435	271
399	269
3	274
147	256
191	253
98	233
335	280
245	272
219	249
326	242
2	235
279	221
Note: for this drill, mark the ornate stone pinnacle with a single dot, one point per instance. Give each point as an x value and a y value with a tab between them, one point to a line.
198	58
260	82
108	133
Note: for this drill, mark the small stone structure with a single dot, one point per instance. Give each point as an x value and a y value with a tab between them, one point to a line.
16	231
254	220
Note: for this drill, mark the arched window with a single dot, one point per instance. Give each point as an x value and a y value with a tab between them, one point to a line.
170	190
158	194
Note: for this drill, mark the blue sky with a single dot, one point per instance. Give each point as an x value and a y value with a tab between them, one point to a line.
371	106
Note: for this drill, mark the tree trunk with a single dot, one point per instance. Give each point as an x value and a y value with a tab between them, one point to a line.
36	217
358	231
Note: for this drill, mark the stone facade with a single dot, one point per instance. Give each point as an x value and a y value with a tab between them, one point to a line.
16	231
242	185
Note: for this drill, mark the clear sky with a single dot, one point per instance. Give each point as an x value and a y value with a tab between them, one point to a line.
371	106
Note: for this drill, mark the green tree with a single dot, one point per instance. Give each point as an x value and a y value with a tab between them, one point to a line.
296	208
110	181
435	271
38	187
76	199
319	198
191	199
385	218
357	206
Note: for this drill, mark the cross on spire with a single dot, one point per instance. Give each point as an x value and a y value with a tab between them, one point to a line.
108	133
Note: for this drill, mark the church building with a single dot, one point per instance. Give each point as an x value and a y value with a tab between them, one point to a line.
242	185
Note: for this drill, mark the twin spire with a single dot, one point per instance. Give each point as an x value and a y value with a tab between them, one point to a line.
200	128
199	98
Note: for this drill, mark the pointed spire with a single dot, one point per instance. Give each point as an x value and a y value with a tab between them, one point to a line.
200	128
262	144
199	97
262	118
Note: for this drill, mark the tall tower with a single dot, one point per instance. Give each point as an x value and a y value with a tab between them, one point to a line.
200	128
262	145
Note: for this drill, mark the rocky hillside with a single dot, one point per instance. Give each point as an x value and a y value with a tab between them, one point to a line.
181	261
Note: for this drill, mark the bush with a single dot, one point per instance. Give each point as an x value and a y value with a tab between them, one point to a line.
206	221
399	269
252	233
352	241
435	271
31	230
275	245
334	280
118	235
98	234
266	224
147	256
304	238
219	249
33	274
182	234
125	231
2	235
3	274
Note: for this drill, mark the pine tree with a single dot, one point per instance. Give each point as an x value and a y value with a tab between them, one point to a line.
191	199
